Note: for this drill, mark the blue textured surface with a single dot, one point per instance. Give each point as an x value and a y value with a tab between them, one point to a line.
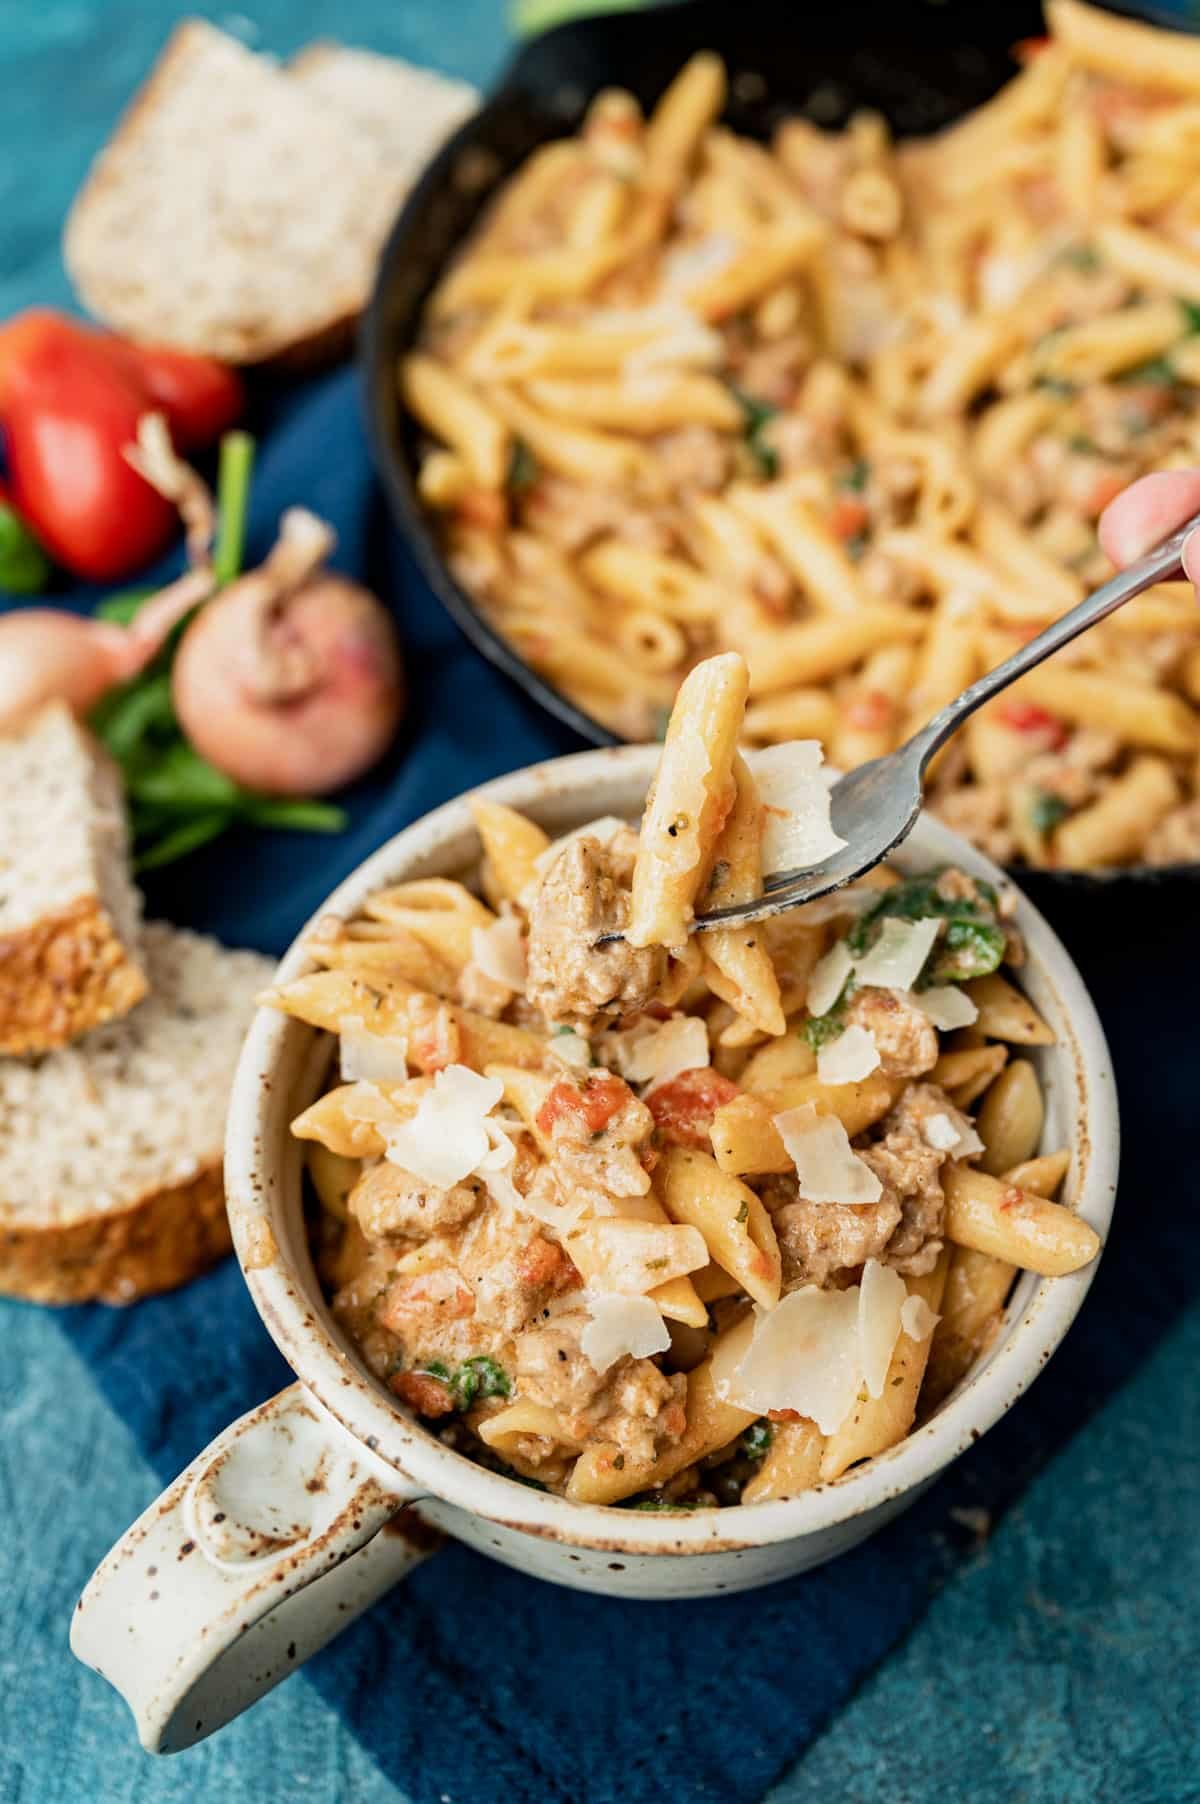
1061	1665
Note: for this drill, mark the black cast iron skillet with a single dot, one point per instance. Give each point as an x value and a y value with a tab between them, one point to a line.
921	63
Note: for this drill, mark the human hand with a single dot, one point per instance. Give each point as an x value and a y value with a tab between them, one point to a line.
1146	512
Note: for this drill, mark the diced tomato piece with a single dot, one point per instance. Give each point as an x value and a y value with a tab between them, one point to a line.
544	1266
784	1415
683	1108
849	516
427	1395
868	711
1025	49
1028	717
601	1097
441	1293
485	508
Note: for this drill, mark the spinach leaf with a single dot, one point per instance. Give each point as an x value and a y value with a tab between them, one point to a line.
972	945
756	1440
523	469
1046	810
480	1377
1191	312
757	415
967	949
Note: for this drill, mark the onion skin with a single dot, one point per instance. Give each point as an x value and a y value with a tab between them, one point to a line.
290	697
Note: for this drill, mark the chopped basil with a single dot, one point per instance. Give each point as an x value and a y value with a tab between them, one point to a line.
967	949
475	1378
972	945
1080	442
523	469
819	1030
1191	313
756	1440
1082	257
757	415
855	477
1046	810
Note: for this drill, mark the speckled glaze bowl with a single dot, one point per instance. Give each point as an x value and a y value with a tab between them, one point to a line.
303	1512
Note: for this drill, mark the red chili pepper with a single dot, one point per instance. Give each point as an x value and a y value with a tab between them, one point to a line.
69	411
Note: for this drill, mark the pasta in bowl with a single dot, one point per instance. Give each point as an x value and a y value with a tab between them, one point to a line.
676	1221
851	407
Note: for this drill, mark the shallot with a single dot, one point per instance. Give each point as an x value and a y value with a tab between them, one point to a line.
290	679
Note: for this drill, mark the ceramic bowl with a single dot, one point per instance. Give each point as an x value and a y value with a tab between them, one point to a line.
302	1513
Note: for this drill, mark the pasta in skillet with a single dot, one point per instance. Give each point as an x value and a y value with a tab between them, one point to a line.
851	408
678	1220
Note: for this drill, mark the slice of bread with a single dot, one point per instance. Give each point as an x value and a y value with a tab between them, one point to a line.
402	111
237	210
111	1149
69	914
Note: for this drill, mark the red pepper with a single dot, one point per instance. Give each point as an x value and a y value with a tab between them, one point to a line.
69	411
200	397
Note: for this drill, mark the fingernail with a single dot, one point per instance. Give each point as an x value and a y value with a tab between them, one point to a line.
1191	557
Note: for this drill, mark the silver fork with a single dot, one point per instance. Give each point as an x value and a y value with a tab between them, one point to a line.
876	806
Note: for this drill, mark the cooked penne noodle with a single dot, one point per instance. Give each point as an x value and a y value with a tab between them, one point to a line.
877	1423
792	1463
1015	1225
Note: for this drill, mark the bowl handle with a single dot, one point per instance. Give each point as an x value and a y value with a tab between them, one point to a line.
280	1533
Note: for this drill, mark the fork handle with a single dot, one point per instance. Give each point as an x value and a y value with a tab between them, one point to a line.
1158	565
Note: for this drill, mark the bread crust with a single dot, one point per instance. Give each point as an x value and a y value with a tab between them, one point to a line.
252	342
155	1243
63	974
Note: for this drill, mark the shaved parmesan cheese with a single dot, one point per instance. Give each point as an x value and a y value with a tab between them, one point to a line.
880	1300
898	956
803	1356
944	1005
653	1055
630	1257
797	833
827	1169
371	1058
849	1058
917	1318
950	1132
828	979
622	1325
499	952
571	1048
448	1138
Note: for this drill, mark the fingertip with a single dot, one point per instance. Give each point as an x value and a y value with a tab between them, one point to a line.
1146	512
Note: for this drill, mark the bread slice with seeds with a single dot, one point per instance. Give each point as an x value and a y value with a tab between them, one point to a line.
69	913
239	210
111	1149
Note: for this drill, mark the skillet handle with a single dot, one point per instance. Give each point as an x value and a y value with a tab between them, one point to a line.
280	1534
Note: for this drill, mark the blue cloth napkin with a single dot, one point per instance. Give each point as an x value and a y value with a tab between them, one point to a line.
472	1679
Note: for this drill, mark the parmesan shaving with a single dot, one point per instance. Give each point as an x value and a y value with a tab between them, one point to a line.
653	1055
950	1132
804	1355
917	1319
371	1058
898	956
571	1049
944	1006
849	1058
499	952
828	978
619	1326
797	832
448	1137
881	1298
827	1169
